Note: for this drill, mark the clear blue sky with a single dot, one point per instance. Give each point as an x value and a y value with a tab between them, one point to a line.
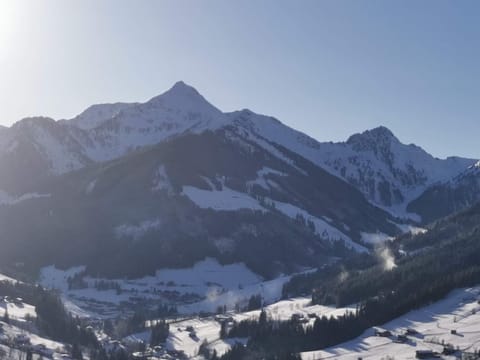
328	68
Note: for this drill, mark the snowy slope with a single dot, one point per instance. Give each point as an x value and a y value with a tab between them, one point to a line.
19	311
21	325
185	143
97	114
225	199
208	329
321	226
178	110
387	172
204	286
108	131
434	323
444	198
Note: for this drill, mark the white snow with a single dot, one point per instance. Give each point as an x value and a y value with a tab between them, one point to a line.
458	311
269	290
375	238
7	278
210	271
262	178
95	115
359	167
412	229
136	232
176	111
90	187
179	338
231	200
6	199
19	311
10	332
59	154
208	280
322	227
161	181
221	200
108	131
208	329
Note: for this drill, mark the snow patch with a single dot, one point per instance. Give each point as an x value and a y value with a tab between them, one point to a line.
412	229
221	200
6	199
375	238
90	187
136	232
262	179
322	228
161	181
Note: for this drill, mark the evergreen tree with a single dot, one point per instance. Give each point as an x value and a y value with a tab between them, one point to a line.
6	317
76	352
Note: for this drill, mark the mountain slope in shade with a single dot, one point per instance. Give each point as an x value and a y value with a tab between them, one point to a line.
212	194
387	172
97	114
450	196
34	149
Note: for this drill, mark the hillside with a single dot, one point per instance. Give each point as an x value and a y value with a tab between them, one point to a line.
212	194
414	271
387	172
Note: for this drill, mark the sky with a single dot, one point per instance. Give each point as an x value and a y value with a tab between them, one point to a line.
327	68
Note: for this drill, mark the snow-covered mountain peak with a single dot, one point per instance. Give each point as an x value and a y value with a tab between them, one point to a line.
95	115
182	87
178	110
388	172
34	121
373	140
185	98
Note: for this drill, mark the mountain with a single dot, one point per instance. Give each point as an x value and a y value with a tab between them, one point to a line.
175	179
97	114
36	148
389	173
450	196
212	194
397	291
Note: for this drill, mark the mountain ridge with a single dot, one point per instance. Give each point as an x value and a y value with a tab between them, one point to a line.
390	174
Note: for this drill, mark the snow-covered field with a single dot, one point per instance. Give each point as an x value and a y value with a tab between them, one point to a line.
22	328
208	329
6	278
436	324
204	287
17	310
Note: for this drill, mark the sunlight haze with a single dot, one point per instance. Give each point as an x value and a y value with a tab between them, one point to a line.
411	66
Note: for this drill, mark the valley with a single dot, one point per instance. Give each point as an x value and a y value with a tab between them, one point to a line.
172	230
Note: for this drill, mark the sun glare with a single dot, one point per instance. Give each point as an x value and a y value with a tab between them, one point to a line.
8	14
